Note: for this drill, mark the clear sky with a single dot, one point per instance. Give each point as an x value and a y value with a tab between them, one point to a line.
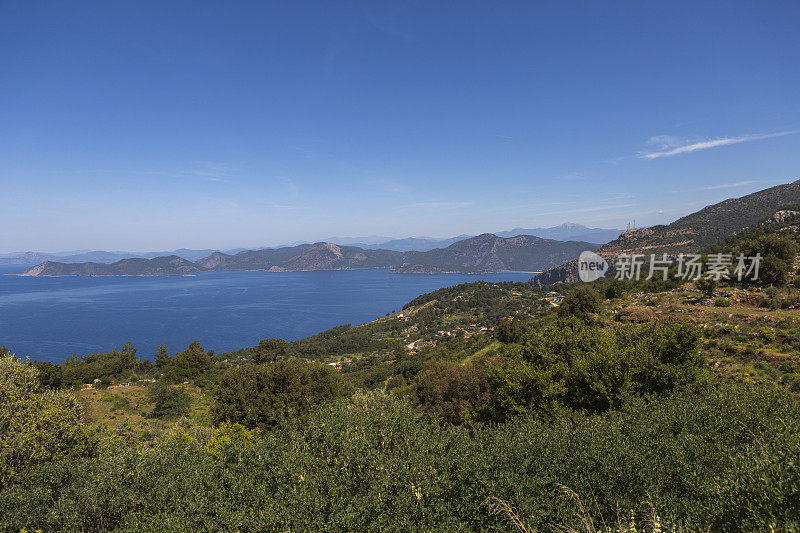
155	125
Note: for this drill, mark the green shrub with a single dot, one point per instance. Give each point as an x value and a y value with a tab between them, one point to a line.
722	302
584	366
457	393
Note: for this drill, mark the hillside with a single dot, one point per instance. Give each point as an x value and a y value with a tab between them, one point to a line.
691	233
160	266
318	256
484	253
490	253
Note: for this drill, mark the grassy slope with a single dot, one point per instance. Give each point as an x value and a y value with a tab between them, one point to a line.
129	404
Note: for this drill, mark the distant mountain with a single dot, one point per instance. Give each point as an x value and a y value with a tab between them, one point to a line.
372	240
99	256
186	253
693	232
490	253
159	266
484	253
413	244
564	232
318	256
26	258
567	232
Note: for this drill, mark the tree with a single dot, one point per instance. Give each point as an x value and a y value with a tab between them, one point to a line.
50	375
36	425
265	395
169	402
614	289
774	270
270	350
509	331
778	255
581	303
116	364
192	363
162	359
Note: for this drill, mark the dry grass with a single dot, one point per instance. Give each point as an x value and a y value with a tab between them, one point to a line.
587	524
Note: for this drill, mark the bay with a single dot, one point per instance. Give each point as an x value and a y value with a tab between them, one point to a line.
50	318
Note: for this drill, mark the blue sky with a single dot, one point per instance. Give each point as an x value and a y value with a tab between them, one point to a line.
156	125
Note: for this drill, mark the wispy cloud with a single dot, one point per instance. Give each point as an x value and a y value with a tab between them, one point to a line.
202	170
284	207
435	205
728	185
669	146
392	185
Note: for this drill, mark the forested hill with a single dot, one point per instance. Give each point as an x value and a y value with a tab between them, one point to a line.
318	256
489	253
158	266
484	253
693	232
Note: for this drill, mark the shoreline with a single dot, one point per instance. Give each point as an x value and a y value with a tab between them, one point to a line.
269	271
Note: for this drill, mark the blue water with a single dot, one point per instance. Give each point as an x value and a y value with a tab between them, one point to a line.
50	318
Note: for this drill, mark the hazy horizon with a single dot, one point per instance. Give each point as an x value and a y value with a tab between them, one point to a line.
362	239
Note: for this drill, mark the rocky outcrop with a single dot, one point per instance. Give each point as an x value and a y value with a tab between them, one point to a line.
779	217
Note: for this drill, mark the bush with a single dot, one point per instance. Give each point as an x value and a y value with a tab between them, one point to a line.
458	393
722	302
582	366
722	460
110	365
706	285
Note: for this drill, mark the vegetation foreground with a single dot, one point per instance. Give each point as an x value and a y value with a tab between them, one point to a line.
617	406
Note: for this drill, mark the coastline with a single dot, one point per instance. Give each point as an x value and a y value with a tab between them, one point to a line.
267	270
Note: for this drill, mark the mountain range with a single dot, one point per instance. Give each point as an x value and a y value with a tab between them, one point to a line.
100	256
692	233
564	232
484	253
568	231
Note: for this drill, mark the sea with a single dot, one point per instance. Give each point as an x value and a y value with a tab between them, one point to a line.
48	319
